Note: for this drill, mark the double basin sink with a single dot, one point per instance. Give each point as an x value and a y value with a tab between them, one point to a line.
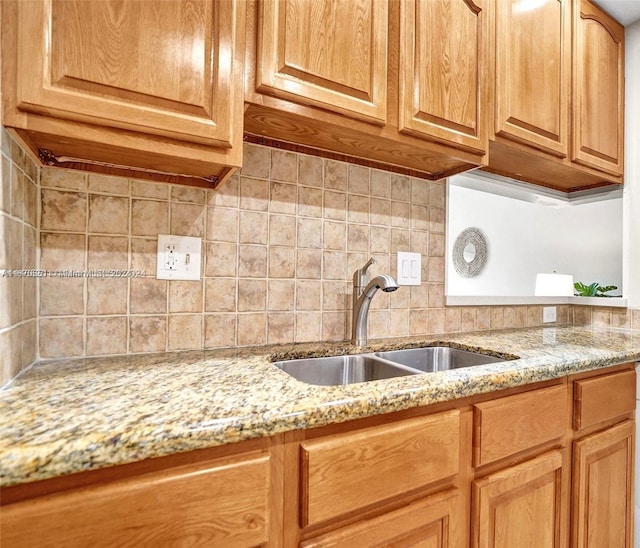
349	369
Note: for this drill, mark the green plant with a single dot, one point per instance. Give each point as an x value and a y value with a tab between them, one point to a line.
593	290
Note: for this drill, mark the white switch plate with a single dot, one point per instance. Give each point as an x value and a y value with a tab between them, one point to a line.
178	258
548	314
409	268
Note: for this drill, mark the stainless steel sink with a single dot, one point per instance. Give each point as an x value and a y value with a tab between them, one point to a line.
437	358
341	370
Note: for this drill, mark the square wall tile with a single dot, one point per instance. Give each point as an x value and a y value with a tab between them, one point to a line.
147	296
107	296
52	345
107	184
280	328
256	161
251	329
149	217
61	296
188	220
219	330
220	294
222	224
106	336
63	211
284	166
108	214
185	296
147	334
310	170
108	252
185	332
62	251
62	178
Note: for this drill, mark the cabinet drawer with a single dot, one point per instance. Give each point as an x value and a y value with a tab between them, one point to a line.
512	424
423	523
350	471
217	503
602	398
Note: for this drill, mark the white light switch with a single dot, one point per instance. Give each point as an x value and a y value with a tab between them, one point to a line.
178	258
409	268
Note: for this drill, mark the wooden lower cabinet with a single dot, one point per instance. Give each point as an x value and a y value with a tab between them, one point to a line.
603	488
451	475
522	505
221	503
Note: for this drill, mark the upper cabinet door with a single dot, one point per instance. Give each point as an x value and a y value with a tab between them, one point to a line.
330	54
163	68
443	66
532	68
598	89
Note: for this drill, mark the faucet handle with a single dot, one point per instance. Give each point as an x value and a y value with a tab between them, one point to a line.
360	275
367	265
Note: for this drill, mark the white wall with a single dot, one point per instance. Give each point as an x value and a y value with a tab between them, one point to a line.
632	167
526	238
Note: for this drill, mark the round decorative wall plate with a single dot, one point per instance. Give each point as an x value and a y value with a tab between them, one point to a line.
469	252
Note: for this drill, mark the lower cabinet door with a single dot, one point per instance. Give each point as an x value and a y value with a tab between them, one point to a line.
603	489
213	503
438	521
521	506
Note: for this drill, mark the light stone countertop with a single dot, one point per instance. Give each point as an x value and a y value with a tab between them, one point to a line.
65	416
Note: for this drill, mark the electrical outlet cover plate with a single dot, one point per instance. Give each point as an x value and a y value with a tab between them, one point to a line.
178	257
548	314
409	268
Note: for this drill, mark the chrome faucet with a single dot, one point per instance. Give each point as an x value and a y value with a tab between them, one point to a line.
363	292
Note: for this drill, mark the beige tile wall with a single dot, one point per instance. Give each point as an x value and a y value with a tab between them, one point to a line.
18	236
281	240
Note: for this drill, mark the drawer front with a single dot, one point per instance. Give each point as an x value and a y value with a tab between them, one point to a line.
506	426
603	398
350	471
211	504
435	521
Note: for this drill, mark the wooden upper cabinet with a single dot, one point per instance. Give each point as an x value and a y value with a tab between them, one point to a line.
384	82
598	89
443	57
532	73
328	53
158	67
154	84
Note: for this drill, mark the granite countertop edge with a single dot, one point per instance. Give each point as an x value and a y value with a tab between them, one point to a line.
67	416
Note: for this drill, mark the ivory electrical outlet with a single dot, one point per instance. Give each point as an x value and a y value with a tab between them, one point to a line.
548	314
179	257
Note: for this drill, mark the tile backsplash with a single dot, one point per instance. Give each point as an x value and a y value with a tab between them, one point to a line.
281	240
18	244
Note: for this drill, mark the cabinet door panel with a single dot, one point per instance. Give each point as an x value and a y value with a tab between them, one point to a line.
521	506
532	64
219	503
442	78
436	522
603	488
327	53
509	425
603	398
159	67
598	93
389	460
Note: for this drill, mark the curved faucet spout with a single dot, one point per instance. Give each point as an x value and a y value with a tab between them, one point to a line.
361	303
